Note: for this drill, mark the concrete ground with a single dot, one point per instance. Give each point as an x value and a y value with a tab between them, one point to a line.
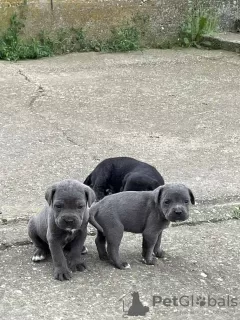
176	109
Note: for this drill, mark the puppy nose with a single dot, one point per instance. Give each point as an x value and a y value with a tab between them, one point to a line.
68	219
178	211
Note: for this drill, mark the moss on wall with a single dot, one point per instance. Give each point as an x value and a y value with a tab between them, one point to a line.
157	20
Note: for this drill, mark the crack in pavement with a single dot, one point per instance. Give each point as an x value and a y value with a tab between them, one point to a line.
6	245
5	222
233	200
205	205
25	76
21	222
71	140
20	243
197	223
40	92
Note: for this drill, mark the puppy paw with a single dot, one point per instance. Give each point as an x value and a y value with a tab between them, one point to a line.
39	255
123	266
77	266
103	257
151	262
159	254
126	265
84	250
61	274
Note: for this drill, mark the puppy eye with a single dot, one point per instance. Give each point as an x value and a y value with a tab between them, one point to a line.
167	201
186	201
58	206
80	206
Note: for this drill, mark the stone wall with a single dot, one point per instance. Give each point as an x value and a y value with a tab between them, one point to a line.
227	10
159	19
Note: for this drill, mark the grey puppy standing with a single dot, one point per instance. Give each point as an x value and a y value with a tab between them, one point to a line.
146	212
62	224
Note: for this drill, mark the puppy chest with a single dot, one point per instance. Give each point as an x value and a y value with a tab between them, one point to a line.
68	238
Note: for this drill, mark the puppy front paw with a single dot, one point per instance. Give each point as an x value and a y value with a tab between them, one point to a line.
39	255
126	265
123	266
103	256
151	261
62	273
84	250
159	253
77	265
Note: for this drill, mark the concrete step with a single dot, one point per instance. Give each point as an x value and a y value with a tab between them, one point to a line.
226	41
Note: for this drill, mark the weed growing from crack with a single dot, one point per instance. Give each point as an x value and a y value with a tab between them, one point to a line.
236	213
199	22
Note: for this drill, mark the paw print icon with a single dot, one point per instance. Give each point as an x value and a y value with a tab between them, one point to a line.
201	301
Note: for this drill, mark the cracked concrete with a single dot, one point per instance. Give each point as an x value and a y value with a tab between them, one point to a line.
62	115
25	76
176	109
39	90
200	261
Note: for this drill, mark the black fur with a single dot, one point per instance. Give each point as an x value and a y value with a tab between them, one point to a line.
113	175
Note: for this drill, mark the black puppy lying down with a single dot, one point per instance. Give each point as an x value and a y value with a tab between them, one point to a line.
146	212
62	224
123	174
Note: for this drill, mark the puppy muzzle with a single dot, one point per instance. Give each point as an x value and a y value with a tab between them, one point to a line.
177	214
69	222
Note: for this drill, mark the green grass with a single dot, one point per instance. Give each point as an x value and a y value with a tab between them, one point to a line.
13	46
122	39
199	22
236	213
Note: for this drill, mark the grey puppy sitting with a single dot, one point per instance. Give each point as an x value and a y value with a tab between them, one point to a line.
146	212
62	224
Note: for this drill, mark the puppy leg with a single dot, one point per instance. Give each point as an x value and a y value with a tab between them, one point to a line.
76	262
101	186
68	248
114	238
148	244
100	192
101	246
61	271
41	248
159	253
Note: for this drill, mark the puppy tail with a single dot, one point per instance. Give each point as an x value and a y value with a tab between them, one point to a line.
93	221
88	180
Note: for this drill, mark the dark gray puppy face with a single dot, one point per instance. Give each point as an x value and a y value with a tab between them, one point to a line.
69	200
174	200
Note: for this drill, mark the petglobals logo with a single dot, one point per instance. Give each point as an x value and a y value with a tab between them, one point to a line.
135	307
195	300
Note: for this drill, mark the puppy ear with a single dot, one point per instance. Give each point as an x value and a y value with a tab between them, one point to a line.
191	196
90	196
50	193
158	194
